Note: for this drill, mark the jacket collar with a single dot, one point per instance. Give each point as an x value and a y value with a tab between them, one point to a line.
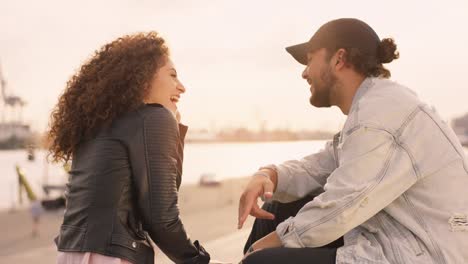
363	88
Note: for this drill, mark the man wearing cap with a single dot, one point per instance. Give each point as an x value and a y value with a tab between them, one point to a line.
389	188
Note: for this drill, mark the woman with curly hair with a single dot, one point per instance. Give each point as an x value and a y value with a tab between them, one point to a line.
118	122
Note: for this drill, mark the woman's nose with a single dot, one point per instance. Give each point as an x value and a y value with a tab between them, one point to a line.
181	88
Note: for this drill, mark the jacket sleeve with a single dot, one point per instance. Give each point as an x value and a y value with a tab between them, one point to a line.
298	178
374	170
162	146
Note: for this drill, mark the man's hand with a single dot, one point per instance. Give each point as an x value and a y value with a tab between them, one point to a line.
258	186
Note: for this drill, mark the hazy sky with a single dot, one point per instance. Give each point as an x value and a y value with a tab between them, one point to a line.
230	54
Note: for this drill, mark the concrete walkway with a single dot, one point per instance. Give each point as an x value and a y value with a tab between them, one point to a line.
209	214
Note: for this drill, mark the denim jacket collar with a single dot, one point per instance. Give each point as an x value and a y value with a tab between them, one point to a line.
363	88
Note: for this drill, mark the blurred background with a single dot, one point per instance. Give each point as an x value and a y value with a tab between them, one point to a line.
246	104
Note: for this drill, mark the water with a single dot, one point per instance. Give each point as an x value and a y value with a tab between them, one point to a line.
228	160
225	160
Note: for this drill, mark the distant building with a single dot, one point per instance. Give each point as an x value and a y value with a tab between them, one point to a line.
13	132
200	136
460	126
245	135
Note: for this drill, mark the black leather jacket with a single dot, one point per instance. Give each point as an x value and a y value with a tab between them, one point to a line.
123	184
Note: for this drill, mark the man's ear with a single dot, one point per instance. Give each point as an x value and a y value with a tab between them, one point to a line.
340	59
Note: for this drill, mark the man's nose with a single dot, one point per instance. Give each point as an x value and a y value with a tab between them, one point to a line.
304	73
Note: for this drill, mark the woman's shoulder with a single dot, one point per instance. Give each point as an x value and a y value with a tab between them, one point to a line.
149	116
157	114
147	111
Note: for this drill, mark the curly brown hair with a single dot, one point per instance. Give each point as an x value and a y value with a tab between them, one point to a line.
115	80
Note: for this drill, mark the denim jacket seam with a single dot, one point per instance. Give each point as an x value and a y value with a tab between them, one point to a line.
354	123
415	166
396	139
353	129
298	238
407	120
337	211
292	235
393	248
397	134
415	247
404	146
372	126
423	224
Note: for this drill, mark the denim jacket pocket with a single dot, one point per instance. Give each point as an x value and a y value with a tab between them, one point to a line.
415	244
405	238
415	248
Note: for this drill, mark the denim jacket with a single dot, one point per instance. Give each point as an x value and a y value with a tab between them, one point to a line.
394	183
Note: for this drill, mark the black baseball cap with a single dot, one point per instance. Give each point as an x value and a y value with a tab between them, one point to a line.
336	34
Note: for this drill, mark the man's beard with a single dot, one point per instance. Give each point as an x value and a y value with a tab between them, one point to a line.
323	88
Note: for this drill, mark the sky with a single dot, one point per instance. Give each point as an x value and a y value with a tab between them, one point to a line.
230	54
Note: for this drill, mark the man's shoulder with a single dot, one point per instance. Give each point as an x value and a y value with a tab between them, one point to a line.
386	104
388	95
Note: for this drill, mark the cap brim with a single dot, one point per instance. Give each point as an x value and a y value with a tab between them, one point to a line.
299	52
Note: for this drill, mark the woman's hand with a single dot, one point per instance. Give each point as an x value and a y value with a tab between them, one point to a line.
177	115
